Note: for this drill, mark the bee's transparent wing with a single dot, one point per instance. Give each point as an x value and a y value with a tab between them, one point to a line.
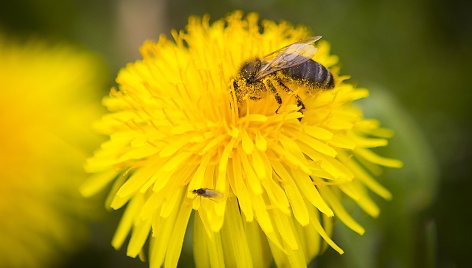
288	56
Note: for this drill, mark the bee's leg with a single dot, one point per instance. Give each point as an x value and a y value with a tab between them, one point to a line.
299	100
277	97
235	86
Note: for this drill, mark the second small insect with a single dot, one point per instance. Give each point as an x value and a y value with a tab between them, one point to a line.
205	192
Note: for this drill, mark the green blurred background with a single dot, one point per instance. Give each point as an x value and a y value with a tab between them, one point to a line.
414	56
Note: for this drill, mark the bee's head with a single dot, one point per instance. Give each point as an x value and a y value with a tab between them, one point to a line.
250	69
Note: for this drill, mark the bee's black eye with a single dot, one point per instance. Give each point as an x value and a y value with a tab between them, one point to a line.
250	69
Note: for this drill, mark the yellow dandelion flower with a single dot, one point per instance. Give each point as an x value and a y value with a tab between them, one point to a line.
47	100
263	177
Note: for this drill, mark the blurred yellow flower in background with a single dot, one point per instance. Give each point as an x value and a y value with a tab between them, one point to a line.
264	186
48	98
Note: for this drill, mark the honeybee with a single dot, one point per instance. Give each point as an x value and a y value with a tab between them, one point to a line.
205	192
290	63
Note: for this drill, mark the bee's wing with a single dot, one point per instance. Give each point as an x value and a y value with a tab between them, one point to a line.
288	56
